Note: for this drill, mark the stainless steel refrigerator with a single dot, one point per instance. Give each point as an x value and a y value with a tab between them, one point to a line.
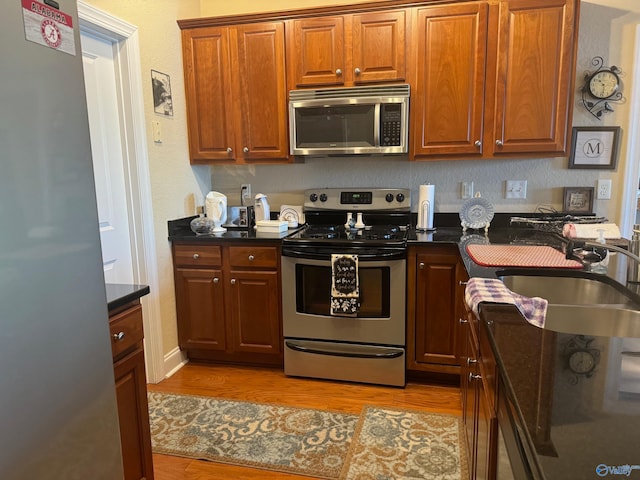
58	413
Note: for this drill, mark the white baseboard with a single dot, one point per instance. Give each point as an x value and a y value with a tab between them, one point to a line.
174	361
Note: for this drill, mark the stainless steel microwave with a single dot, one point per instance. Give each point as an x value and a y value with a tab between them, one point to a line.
349	121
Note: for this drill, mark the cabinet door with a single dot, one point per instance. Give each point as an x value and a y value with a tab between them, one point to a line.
317	52
208	94
486	425
200	309
535	68
447	104
258	60
254	309
436	321
379	47
133	416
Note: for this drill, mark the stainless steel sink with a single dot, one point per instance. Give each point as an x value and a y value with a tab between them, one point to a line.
586	306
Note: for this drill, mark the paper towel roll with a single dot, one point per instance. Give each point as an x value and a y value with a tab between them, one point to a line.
426	196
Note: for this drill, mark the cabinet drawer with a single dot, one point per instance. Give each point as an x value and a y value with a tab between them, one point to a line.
197	255
253	256
126	330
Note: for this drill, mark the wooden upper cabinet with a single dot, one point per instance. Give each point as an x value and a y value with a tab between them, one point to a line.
316	52
379	47
235	85
259	61
347	50
448	96
207	78
534	76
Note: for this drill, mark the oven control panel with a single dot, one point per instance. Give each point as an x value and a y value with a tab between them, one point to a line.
358	199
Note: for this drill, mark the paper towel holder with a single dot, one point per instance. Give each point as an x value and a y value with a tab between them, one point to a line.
425	209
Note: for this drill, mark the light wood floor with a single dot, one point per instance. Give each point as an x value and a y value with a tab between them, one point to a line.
272	386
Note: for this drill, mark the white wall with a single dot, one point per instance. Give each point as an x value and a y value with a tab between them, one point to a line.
177	187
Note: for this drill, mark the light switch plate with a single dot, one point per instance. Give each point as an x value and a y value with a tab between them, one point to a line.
466	190
516	189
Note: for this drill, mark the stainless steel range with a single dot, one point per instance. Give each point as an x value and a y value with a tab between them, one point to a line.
358	335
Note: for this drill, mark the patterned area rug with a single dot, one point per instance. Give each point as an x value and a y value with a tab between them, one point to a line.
380	444
392	444
273	437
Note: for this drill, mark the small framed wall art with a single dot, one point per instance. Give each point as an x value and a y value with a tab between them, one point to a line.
594	147
578	200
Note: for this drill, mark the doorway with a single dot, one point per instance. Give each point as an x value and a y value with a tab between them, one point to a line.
123	38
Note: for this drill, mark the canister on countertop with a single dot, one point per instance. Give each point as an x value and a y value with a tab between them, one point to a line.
633	269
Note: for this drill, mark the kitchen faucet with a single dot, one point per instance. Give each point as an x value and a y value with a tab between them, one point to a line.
594	255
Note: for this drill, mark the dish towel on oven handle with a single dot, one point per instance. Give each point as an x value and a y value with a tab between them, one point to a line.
345	285
492	290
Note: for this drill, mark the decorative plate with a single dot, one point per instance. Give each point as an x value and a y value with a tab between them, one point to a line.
476	212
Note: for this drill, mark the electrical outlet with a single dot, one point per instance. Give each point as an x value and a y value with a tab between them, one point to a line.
516	189
466	190
604	189
245	194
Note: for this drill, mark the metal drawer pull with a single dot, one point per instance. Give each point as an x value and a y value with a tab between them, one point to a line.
421	265
338	72
463	321
216	280
471	361
118	337
196	256
229	149
474	377
357	71
499	143
478	143
462	284
251	258
233	281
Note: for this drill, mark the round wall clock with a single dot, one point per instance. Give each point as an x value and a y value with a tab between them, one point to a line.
601	88
604	83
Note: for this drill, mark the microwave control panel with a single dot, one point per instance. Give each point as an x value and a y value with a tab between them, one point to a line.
390	124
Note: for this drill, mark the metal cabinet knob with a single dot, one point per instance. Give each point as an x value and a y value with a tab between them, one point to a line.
338	72
474	377
471	361
462	283
251	258
357	71
229	149
478	143
233	281
245	149
499	143
196	256
462	321
118	337
216	280
421	265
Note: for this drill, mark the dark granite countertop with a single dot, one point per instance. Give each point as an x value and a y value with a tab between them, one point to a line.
119	294
180	231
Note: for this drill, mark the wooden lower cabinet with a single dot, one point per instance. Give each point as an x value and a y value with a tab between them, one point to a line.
131	391
478	384
434	295
228	302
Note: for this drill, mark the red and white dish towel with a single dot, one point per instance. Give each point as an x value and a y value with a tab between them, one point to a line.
492	290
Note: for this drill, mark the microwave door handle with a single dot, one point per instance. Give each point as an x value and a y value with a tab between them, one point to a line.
376	125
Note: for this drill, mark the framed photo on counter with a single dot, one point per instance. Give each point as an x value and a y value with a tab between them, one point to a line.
578	199
594	147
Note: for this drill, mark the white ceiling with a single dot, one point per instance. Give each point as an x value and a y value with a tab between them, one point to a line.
630	5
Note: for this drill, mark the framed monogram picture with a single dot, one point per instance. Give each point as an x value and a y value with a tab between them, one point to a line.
594	147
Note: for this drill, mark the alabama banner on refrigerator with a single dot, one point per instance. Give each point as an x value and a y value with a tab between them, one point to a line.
48	26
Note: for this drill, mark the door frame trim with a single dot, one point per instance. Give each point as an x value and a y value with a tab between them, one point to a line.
136	170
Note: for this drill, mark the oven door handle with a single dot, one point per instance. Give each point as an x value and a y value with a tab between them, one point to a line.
311	255
384	352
